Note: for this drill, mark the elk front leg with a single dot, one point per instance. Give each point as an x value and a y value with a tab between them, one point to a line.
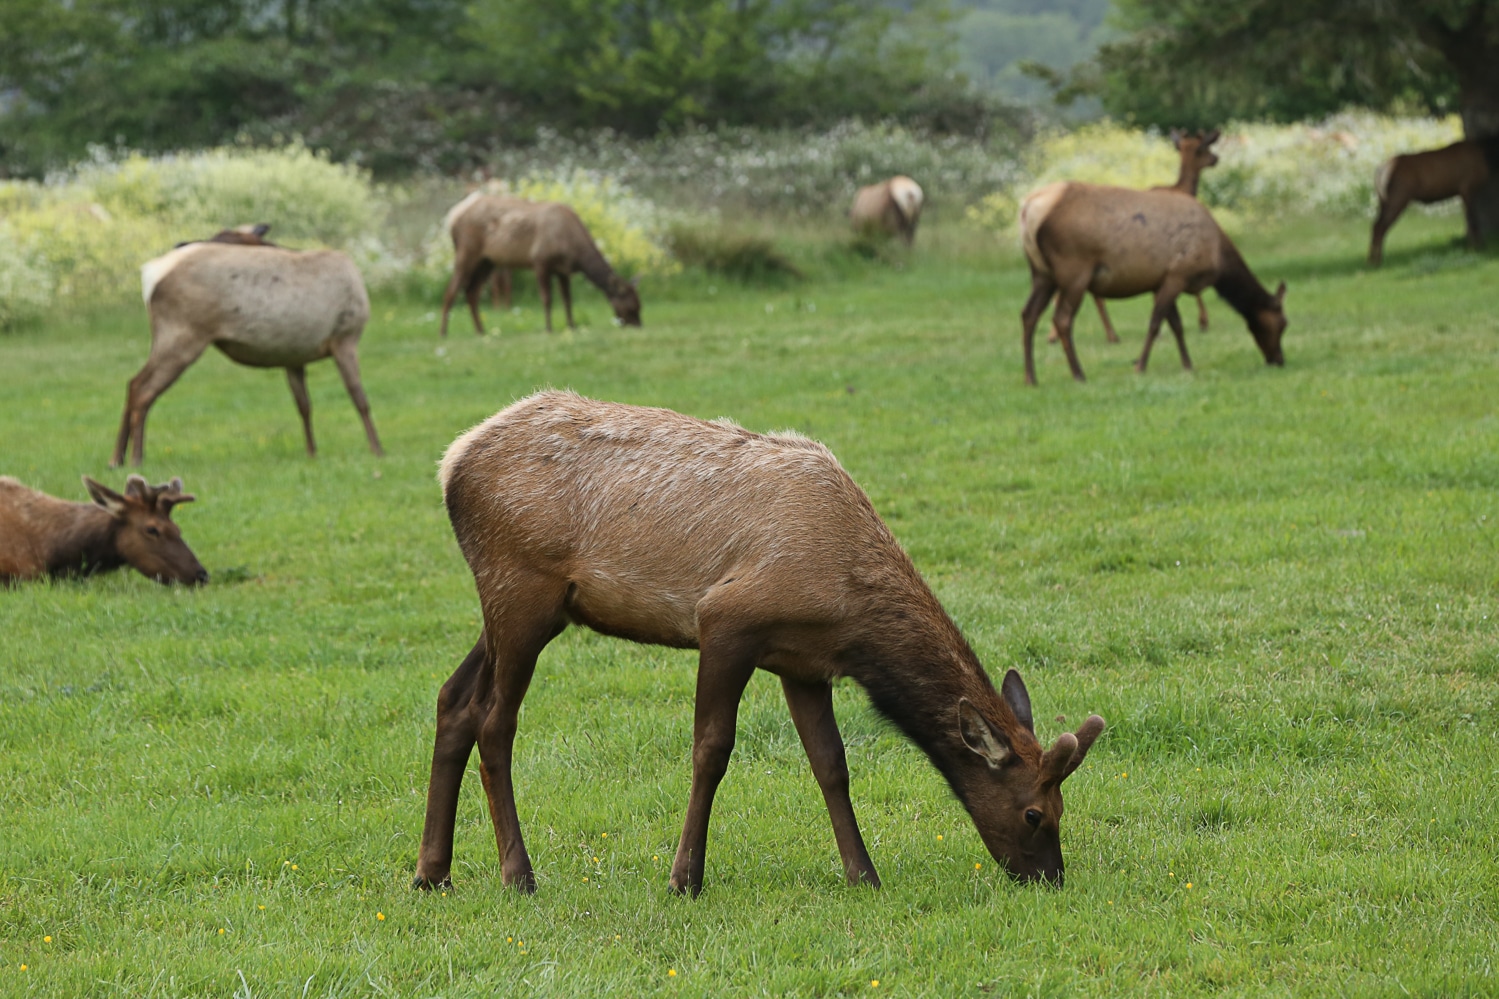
1103	315
1174	319
811	707
346	356
457	731
724	667
296	377
1165	300
544	285
565	283
1067	303
1042	288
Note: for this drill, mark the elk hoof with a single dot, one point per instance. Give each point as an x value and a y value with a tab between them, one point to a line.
688	888
423	883
865	878
523	882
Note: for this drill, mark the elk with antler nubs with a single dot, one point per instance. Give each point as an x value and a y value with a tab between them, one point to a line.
41	535
761	553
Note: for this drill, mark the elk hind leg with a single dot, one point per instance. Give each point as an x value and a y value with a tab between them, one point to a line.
457	731
1202	313
296	377
1042	290
1389	211
1174	320
565	285
346	356
517	632
473	291
1067	305
170	356
811	707
544	286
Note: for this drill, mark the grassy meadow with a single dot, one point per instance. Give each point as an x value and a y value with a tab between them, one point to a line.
1276	584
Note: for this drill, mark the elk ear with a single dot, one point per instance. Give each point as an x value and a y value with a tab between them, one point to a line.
1087	732
1176	137
1212	137
1280	294
106	497
980	736
260	229
1018	698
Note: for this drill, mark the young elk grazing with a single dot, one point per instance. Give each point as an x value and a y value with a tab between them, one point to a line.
759	552
893	207
1457	171
263	306
1196	156
492	231
44	536
1118	243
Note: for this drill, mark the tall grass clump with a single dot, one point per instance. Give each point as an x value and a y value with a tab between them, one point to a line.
1264	171
91	227
25	284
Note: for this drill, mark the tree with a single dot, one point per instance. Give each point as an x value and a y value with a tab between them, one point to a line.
1198	62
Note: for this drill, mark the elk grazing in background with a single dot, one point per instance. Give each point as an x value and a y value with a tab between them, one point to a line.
41	535
892	207
1456	171
1117	243
492	231
759	552
1196	156
263	306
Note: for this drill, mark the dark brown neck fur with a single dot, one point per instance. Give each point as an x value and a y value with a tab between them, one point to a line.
88	544
1239	287
596	269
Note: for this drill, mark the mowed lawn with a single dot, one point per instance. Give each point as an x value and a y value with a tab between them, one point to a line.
1278	586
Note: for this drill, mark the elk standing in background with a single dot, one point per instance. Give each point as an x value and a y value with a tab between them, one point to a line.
490	231
263	306
893	207
1456	171
761	553
41	535
1117	243
1196	156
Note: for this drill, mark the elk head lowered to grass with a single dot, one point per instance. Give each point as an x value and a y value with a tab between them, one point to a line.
1455	171
492	231
892	207
1117	242
758	551
263	306
41	535
1196	152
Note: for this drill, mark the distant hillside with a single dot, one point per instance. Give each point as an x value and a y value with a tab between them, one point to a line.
995	36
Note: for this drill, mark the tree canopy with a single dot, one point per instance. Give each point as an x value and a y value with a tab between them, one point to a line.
1198	62
380	76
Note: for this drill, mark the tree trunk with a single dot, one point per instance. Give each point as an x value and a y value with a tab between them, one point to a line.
1481	121
1472	50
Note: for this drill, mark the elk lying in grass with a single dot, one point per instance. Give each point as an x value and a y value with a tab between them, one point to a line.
492	231
263	306
892	207
760	552
243	235
1117	243
1197	155
1456	171
41	535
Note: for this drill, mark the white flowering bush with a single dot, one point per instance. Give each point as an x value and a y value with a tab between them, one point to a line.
25	283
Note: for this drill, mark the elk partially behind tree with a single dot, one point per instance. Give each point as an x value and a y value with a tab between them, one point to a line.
263	306
761	553
41	535
493	231
1460	170
1117	243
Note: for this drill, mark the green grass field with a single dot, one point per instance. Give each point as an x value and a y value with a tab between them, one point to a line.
1276	585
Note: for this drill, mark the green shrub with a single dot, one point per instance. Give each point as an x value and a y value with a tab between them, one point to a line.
26	285
737	256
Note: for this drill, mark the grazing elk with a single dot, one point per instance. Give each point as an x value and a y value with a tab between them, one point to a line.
1196	156
492	231
263	306
759	552
892	207
1456	171
41	535
1117	243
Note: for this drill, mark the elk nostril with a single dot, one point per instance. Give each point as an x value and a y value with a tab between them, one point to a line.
202	576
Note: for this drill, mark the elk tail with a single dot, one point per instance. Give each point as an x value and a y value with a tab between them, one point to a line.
1382	179
1033	213
457	210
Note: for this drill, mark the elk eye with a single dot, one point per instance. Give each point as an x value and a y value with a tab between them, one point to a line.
1033	817
153	532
